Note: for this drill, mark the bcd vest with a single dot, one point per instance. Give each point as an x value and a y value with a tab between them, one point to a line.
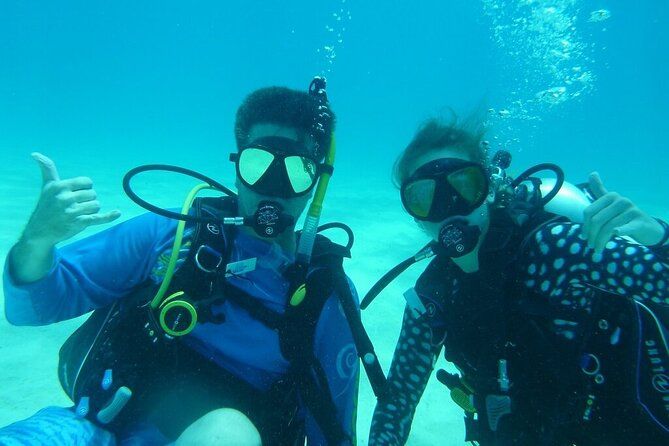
108	355
522	384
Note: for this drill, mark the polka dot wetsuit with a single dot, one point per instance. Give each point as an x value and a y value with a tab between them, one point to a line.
557	264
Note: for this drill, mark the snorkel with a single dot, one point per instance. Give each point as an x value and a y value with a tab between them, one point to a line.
364	346
310	228
307	238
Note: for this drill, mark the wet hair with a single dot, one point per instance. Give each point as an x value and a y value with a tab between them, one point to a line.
435	134
285	107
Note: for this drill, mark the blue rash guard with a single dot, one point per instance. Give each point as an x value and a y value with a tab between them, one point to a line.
95	271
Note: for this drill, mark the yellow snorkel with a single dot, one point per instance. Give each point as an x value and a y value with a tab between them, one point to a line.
364	346
310	228
308	236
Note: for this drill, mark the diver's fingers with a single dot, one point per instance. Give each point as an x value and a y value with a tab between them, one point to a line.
593	210
597	185
610	229
85	208
600	222
77	183
84	195
595	207
629	228
47	167
99	219
67	198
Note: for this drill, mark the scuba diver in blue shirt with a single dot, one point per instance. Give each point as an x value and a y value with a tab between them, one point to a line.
219	324
557	326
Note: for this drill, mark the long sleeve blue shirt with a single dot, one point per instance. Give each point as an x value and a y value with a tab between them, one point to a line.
93	272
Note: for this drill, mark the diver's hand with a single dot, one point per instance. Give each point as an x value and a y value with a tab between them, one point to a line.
613	215
65	208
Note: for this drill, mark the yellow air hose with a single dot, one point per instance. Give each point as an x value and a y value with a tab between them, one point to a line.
176	247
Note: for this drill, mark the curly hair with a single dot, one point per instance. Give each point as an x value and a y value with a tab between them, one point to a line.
285	107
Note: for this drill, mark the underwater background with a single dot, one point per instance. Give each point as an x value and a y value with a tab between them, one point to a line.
101	87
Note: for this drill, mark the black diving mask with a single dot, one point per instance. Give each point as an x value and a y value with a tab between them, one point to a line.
444	188
277	167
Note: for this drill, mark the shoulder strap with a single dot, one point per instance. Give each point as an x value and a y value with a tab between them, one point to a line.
301	316
326	277
297	334
209	247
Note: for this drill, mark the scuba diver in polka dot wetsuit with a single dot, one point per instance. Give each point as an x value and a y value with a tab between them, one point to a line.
557	329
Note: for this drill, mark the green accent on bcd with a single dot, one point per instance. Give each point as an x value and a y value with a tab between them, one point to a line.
463	400
299	295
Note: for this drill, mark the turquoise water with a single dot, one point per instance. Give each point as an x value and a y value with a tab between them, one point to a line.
103	86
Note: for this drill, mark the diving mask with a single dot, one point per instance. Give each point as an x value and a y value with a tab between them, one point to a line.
444	188
277	167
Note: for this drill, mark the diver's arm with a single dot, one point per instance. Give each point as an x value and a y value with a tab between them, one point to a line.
335	350
30	260
410	370
559	263
89	273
